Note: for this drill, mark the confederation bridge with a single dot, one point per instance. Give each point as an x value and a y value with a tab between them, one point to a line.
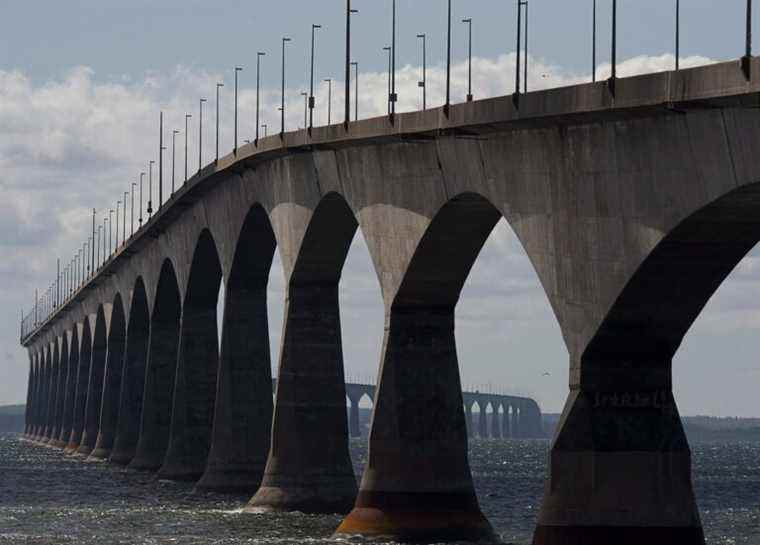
634	199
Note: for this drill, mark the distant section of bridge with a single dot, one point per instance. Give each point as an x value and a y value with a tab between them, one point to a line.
633	199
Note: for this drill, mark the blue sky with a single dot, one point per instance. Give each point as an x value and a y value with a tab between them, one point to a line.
81	83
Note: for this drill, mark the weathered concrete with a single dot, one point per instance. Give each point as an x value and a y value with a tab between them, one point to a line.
309	467
91	423
133	379
155	424
109	409
195	382
243	413
632	207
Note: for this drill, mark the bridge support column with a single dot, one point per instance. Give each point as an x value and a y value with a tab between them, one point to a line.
495	421
132	389
482	422
620	467
514	422
243	415
194	393
94	397
417	484
353	418
49	397
309	468
155	421
109	412
60	397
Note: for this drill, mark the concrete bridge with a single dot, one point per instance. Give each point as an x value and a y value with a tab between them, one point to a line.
633	201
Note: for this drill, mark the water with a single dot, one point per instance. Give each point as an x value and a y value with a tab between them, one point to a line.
47	498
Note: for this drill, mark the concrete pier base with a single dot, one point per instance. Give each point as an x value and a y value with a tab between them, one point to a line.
417	484
620	472
243	414
155	421
309	467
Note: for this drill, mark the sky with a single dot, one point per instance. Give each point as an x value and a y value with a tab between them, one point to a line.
82	82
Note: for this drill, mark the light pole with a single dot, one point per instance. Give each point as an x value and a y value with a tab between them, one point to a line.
237	69
174	153
218	86
312	101
200	134
264	126
258	87
98	244
613	56
525	66
468	22
124	221
423	83
132	214
328	81
160	163
105	222
389	49
356	90
593	43
150	188
118	209
678	32
305	96
92	256
448	64
187	117
393	97
282	106
110	231
142	176
519	46
349	11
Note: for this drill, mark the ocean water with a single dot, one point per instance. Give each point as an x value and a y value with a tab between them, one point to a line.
47	498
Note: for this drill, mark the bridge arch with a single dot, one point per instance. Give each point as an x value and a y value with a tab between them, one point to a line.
112	378
197	367
626	368
133	376
243	412
160	370
83	348
61	390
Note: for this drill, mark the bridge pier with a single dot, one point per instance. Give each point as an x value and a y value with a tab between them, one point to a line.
155	422
95	387
132	380
50	369
353	416
109	409
495	421
83	350
243	414
620	466
482	422
417	483
309	467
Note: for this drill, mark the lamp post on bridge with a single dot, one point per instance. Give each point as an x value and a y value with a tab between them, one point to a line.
200	134
132	216
388	49
124	222
356	90
312	100
92	256
613	56
118	209
282	106
329	81
264	126
423	82
593	42
258	92
187	117
237	70
161	149
218	87
349	12
746	61
468	22
98	245
174	154
110	232
150	188
678	33
448	63
393	97
105	255
142	176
